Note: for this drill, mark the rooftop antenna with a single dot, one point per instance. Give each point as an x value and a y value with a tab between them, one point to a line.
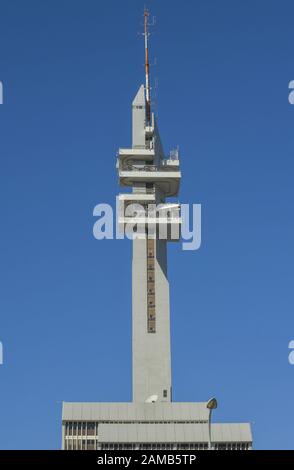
147	66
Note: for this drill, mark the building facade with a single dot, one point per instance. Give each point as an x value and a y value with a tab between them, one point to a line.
157	426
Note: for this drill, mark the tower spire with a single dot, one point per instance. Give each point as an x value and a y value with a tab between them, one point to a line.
147	77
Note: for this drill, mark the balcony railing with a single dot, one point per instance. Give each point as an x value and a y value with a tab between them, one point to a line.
174	216
140	168
174	154
151	168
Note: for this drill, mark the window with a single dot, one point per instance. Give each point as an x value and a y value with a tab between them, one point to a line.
151	326
91	429
151	318
91	445
164	393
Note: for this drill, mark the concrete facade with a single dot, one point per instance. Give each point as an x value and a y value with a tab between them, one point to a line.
155	426
151	352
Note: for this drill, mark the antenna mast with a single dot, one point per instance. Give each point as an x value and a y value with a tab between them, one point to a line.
147	78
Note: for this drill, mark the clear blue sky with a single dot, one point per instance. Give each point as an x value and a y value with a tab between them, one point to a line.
70	70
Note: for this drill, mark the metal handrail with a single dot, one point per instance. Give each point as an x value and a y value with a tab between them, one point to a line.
141	168
150	168
143	217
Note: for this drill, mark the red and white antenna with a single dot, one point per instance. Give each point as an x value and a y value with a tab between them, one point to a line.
147	66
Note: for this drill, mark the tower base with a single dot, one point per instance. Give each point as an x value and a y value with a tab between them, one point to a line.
157	426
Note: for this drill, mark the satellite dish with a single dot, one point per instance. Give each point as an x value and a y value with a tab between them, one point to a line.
152	399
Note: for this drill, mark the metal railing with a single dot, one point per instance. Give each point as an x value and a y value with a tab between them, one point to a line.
140	168
174	154
150	190
133	167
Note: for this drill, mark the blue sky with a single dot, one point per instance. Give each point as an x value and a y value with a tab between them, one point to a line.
70	70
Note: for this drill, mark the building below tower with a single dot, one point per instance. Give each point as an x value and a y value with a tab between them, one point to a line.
143	426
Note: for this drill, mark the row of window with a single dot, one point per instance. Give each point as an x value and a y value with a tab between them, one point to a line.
93	425
80	444
172	446
81	428
93	444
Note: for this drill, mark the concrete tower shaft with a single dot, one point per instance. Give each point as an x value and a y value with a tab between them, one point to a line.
152	178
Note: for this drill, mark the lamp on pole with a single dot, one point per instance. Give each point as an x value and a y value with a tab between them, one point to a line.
211	405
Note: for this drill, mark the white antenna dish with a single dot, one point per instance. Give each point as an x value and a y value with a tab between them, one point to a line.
152	399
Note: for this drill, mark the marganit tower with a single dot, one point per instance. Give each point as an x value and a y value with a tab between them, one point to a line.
152	178
152	420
